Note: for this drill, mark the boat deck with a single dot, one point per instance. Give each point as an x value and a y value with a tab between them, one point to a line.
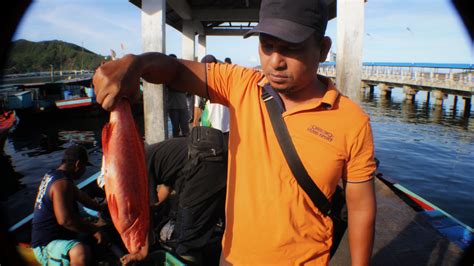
403	236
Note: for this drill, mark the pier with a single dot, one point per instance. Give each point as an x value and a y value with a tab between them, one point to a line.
38	79
438	79
403	235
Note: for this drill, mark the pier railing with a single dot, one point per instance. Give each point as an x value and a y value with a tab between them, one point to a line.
454	79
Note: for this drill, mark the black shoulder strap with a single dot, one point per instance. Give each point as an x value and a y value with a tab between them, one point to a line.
291	155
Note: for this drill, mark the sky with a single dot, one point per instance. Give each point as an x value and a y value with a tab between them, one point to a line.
395	31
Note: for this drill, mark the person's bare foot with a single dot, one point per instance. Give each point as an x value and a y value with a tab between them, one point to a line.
139	256
130	258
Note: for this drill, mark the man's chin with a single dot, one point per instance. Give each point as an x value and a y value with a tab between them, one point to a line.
281	88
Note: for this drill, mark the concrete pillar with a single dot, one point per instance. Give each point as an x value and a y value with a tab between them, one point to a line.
385	90
439	97
455	103
350	35
201	46
467	106
437	113
371	90
188	40
410	93
363	87
153	23
428	97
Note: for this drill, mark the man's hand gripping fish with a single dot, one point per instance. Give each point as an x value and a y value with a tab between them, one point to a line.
126	183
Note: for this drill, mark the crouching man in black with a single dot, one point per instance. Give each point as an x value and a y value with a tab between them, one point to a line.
196	169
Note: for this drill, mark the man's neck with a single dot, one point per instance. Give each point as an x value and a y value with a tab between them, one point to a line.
67	171
313	92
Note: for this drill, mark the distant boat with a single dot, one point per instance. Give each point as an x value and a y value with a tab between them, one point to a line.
8	119
75	102
76	96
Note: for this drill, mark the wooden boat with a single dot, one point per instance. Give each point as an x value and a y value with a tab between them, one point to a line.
7	121
454	230
109	255
75	102
410	230
445	226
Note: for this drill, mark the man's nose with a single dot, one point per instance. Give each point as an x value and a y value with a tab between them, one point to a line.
277	61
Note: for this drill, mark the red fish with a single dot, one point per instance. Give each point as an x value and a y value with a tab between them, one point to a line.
125	177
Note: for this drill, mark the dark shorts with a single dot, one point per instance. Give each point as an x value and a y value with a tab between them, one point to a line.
196	225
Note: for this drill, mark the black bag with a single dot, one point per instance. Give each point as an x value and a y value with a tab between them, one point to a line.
206	143
335	209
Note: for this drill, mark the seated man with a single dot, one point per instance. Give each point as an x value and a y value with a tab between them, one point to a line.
56	222
196	168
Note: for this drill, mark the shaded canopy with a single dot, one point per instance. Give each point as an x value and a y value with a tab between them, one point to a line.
218	17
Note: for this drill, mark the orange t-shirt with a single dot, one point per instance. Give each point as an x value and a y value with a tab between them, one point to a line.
269	218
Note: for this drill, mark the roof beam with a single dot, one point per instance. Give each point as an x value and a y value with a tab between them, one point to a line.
181	8
198	28
232	15
225	32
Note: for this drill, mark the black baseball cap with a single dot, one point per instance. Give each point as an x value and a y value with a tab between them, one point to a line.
209	59
290	20
76	153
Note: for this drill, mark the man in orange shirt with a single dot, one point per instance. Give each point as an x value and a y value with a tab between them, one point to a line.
269	218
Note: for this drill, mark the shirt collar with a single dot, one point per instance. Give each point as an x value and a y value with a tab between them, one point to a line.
330	97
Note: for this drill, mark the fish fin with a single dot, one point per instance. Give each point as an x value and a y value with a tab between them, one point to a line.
101	177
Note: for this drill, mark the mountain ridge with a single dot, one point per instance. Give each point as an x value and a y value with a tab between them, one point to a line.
28	56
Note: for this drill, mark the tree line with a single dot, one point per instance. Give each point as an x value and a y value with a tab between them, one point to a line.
27	56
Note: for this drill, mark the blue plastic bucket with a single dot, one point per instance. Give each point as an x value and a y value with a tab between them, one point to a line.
89	92
67	95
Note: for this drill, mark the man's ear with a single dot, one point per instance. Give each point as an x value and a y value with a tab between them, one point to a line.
325	45
77	164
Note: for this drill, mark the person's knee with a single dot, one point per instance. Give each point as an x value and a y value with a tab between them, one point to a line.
80	254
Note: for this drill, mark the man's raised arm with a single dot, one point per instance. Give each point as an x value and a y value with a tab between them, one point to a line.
121	78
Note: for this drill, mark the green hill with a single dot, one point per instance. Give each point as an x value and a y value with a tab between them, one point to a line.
26	56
